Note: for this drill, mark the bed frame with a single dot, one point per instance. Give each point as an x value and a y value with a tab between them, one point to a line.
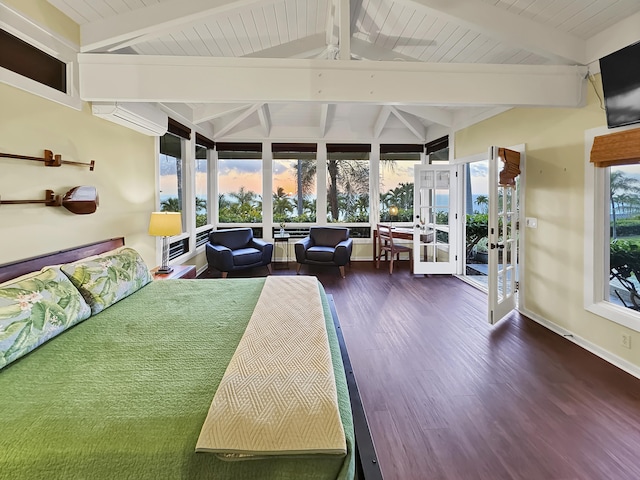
367	467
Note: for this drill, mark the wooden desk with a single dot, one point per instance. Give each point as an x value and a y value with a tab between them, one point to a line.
398	232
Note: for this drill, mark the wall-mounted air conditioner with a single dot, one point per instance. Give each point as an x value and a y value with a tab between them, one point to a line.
142	117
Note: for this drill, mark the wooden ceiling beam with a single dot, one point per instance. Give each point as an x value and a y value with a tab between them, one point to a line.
510	28
105	77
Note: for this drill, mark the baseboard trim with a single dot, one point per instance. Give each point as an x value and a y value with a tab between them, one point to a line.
201	270
606	355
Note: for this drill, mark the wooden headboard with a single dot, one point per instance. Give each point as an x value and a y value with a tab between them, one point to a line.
15	269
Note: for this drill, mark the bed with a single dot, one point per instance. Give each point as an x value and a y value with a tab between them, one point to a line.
123	394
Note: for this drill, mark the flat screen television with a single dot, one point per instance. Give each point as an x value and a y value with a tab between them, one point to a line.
620	73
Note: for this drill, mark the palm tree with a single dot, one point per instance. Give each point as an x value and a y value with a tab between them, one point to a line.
619	183
244	197
483	201
344	172
282	206
171	204
305	180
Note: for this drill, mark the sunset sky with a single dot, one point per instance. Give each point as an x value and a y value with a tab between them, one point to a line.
248	173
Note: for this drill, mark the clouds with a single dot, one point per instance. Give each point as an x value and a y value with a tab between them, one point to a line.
239	167
479	169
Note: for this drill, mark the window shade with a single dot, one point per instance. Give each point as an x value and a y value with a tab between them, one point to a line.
294	147
437	145
179	129
401	148
205	142
239	150
620	148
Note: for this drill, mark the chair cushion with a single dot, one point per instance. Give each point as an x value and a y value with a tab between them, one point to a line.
233	238
246	256
328	236
318	253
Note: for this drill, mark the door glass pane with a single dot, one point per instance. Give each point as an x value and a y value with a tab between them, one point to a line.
476	216
624	237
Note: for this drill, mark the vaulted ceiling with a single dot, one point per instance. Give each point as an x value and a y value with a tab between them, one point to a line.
402	70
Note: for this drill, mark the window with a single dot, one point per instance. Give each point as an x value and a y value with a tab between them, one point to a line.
36	60
438	150
171	175
239	182
396	180
612	236
202	186
28	61
623	205
348	183
294	183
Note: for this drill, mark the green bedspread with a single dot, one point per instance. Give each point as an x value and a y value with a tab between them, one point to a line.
123	394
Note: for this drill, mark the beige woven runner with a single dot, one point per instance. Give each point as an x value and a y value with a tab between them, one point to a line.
278	394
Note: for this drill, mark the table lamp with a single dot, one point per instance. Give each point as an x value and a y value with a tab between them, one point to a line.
165	225
393	212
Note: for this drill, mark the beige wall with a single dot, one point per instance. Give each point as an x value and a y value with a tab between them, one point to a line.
554	252
124	176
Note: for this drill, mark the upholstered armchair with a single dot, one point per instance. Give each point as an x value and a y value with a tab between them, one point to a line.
325	246
236	249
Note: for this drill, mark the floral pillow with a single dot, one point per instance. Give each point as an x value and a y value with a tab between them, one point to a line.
110	277
36	308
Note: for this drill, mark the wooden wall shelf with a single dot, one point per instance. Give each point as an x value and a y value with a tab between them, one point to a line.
50	160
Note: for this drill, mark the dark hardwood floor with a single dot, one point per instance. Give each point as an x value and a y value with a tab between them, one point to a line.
450	397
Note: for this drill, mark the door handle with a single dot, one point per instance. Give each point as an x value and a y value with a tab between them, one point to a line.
496	245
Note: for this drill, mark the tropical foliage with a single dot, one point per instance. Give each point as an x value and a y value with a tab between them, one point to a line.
624	195
477	230
243	206
401	197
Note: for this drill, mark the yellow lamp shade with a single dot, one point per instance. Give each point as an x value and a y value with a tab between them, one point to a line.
393	210
165	224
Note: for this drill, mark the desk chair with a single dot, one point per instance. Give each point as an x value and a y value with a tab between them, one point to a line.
386	245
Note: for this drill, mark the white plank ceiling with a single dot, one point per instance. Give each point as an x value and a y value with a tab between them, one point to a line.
472	33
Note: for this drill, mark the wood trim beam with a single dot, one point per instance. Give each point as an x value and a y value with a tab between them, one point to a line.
412	123
265	119
326	109
203	113
306	47
344	29
236	121
381	121
369	51
105	77
507	27
431	114
613	38
145	23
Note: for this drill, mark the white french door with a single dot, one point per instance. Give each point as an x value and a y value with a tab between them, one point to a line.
436	219
503	224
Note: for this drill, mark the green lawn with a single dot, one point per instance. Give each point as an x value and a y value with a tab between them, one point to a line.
632	238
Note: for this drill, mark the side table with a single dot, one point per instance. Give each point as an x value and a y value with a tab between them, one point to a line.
281	238
179	271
